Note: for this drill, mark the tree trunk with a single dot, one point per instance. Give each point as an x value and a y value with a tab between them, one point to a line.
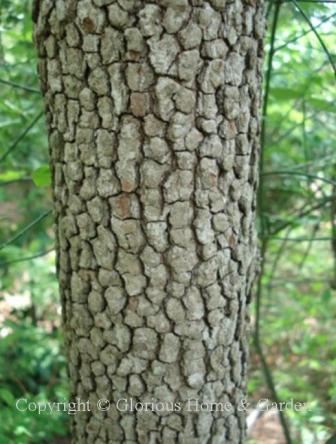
152	114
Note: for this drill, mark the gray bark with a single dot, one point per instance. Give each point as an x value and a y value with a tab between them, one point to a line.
152	113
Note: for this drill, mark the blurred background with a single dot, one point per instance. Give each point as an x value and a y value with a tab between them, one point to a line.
293	347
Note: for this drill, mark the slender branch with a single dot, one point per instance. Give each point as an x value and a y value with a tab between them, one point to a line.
319	38
300	239
284	117
266	370
18	180
263	248
298	173
269	8
18	86
21	136
277	259
280	282
298	37
264	241
25	229
314	163
271	386
303	212
309	246
264	112
27	258
259	291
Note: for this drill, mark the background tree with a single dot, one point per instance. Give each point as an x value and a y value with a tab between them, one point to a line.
152	115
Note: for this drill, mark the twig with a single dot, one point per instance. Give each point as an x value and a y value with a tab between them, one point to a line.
300	239
27	258
18	86
303	212
298	173
18	180
264	241
25	229
298	37
319	38
21	136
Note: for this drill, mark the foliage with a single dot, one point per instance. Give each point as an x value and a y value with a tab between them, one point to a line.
31	359
296	293
32	364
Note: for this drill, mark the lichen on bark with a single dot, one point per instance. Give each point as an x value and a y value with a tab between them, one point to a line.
152	111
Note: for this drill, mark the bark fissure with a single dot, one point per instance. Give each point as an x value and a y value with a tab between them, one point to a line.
152	111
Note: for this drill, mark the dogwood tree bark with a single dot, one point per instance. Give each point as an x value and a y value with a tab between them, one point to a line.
152	114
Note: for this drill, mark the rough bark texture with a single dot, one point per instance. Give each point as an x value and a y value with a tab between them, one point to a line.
152	112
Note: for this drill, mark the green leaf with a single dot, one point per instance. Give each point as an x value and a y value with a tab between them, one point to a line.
6	395
280	93
323	105
42	176
326	296
11	175
22	431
